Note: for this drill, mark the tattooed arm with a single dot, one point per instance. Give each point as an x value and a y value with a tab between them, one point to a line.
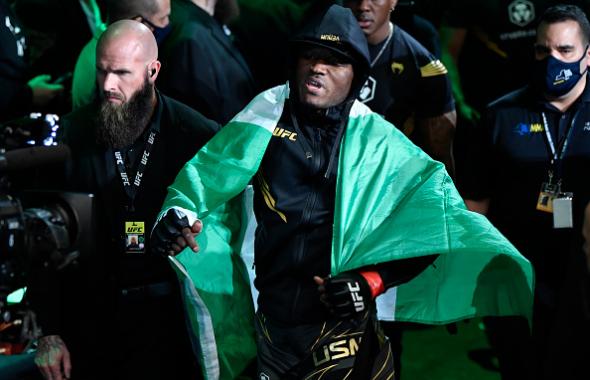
53	358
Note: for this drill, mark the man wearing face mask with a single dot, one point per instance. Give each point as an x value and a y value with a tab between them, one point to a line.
531	182
154	14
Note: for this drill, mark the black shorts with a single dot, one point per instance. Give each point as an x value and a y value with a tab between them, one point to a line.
335	349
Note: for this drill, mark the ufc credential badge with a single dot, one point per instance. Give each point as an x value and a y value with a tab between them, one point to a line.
134	237
551	197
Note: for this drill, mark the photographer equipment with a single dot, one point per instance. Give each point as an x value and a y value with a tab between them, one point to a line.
41	231
26	158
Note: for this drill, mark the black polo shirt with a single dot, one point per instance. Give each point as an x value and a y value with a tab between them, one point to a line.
512	163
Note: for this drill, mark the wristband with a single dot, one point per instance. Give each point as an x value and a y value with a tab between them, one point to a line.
375	283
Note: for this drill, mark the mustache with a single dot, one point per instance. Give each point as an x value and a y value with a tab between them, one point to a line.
110	94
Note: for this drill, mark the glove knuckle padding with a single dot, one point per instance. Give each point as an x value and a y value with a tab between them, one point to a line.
167	230
347	294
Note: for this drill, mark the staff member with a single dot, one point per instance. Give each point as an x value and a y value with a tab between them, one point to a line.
530	181
118	313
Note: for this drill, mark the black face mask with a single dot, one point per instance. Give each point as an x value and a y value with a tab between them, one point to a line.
555	77
160	34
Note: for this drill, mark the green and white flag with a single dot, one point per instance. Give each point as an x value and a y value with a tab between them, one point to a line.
392	202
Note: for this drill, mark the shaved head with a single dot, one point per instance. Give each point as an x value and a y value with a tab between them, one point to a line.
126	69
130	37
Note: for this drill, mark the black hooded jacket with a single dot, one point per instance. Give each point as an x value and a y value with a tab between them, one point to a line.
295	187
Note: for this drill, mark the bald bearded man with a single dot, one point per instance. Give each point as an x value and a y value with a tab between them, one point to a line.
117	313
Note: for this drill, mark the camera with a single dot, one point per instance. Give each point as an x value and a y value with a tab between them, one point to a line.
41	230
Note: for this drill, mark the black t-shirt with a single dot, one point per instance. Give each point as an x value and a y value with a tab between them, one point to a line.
514	160
406	82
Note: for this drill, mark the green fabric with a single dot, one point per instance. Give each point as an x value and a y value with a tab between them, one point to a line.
415	210
215	281
84	88
217	296
392	202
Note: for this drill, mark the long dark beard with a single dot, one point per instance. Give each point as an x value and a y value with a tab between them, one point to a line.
119	125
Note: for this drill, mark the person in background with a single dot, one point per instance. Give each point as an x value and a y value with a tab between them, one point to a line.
528	178
406	84
155	14
58	30
20	94
117	312
416	25
487	50
203	67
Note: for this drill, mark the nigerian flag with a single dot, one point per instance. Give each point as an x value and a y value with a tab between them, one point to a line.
392	202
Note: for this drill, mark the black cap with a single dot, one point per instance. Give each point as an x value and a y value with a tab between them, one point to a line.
337	30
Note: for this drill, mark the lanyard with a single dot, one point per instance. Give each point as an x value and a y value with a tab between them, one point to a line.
132	188
560	153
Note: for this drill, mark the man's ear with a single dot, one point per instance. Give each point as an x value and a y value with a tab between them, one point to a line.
153	70
393	5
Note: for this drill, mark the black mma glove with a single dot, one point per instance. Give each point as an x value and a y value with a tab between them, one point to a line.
167	230
350	293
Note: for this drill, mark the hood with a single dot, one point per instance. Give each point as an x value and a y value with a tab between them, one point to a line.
336	29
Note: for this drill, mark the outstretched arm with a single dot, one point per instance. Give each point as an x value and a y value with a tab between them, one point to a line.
219	171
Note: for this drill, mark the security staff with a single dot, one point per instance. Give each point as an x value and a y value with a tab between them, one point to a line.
203	68
118	312
152	13
530	180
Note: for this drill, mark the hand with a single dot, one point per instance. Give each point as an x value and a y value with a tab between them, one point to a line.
173	233
345	295
468	112
43	91
53	358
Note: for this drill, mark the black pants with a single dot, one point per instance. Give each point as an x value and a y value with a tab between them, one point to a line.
144	336
335	349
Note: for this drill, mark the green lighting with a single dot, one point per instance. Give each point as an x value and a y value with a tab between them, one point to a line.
16	296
